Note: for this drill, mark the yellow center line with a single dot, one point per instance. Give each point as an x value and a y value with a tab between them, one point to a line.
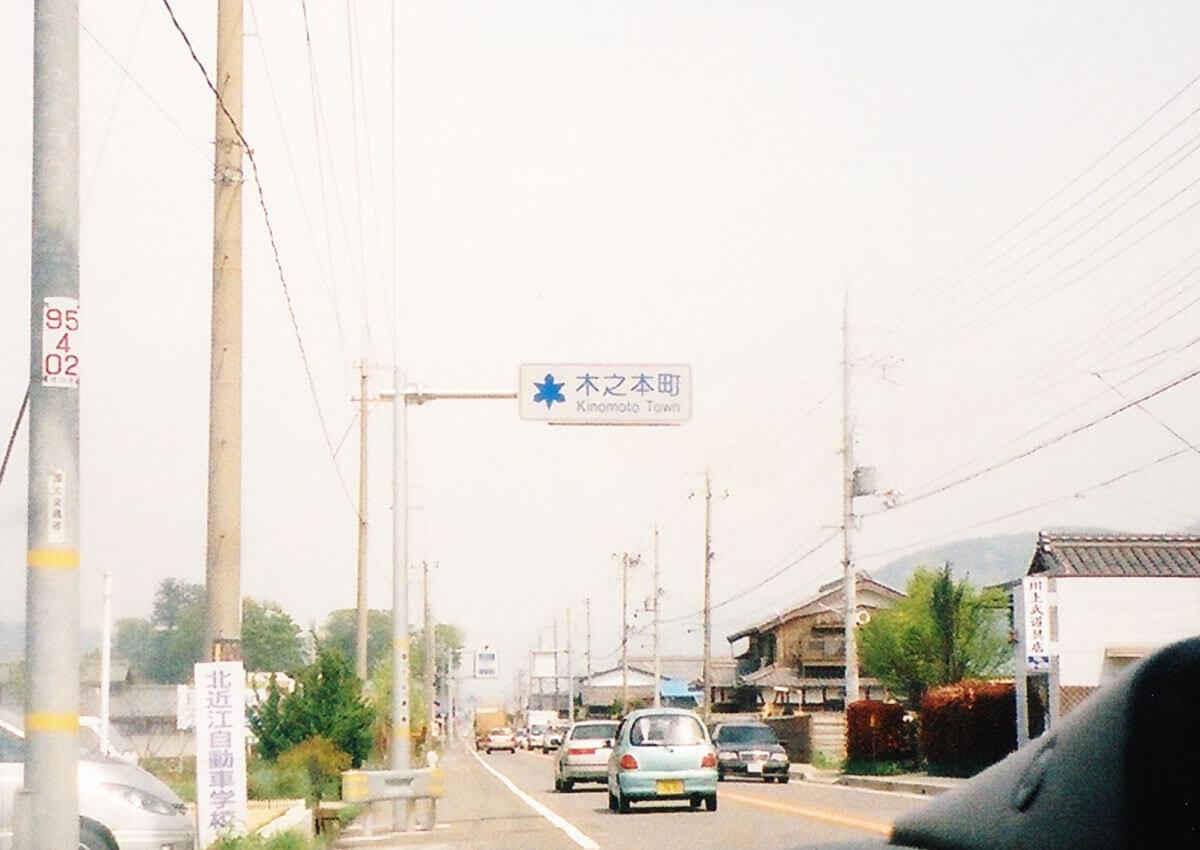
877	827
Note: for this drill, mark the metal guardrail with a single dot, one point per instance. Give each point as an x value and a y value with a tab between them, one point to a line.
375	786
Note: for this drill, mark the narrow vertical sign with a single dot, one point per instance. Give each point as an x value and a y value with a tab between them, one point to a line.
220	750
1037	623
60	342
486	666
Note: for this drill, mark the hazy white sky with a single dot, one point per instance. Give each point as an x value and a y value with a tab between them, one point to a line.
692	182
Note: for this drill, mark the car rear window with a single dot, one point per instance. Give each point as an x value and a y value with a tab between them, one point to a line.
747	735
594	732
668	730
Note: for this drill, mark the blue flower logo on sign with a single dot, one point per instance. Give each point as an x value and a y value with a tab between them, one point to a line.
549	392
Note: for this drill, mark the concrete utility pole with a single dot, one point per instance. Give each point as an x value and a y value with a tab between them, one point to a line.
401	758
587	612
361	611
430	651
708	559
223	564
557	700
570	675
105	662
626	563
657	655
850	590
47	809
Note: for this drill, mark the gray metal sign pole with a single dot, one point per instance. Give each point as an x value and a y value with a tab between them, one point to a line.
50	802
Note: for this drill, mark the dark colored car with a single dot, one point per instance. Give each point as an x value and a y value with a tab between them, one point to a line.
751	750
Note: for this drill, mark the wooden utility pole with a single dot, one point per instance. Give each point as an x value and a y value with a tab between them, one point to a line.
587	611
223	561
708	558
361	611
850	585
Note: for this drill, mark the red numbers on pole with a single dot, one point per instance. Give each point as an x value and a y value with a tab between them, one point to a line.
60	360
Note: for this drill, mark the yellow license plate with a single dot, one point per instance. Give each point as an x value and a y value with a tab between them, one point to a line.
669	786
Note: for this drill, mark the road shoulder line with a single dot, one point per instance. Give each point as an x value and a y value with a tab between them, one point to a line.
573	832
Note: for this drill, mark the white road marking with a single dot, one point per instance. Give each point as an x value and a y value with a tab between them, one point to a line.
562	823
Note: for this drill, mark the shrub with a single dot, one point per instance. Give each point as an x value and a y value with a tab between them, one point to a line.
268	781
967	727
876	731
322	761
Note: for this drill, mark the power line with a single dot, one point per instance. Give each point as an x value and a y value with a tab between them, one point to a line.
896	310
112	113
1043	445
12	438
162	109
1010	514
262	202
330	281
765	580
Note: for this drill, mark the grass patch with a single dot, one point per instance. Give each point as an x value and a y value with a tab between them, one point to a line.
283	841
859	767
179	773
823	762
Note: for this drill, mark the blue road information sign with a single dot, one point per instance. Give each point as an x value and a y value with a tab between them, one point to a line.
605	393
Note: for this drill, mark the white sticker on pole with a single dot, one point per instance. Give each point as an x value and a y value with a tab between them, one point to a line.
56	507
1037	623
220	750
60	342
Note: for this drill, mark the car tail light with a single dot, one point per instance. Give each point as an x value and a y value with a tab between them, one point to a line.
628	762
579	751
709	760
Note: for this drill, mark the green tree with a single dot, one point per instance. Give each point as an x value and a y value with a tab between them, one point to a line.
338	634
167	646
270	638
944	631
327	702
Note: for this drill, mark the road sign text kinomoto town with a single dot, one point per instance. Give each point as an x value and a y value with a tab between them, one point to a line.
605	393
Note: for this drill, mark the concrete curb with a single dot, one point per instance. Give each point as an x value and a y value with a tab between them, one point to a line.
927	787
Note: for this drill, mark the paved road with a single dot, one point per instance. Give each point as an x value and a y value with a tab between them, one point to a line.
516	808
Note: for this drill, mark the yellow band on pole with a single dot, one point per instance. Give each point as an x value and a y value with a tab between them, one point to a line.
401	644
51	721
54	559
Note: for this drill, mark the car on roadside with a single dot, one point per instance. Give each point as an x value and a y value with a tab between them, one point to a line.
536	737
121	806
552	740
501	739
583	757
751	750
662	754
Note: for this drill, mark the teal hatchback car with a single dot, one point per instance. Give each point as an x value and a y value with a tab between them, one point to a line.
662	754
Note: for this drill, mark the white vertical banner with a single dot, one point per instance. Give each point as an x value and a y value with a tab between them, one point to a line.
1036	591
220	750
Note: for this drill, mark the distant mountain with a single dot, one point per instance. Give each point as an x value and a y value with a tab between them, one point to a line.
982	560
12	640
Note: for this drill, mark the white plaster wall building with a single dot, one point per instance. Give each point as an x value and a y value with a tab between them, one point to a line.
1113	599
